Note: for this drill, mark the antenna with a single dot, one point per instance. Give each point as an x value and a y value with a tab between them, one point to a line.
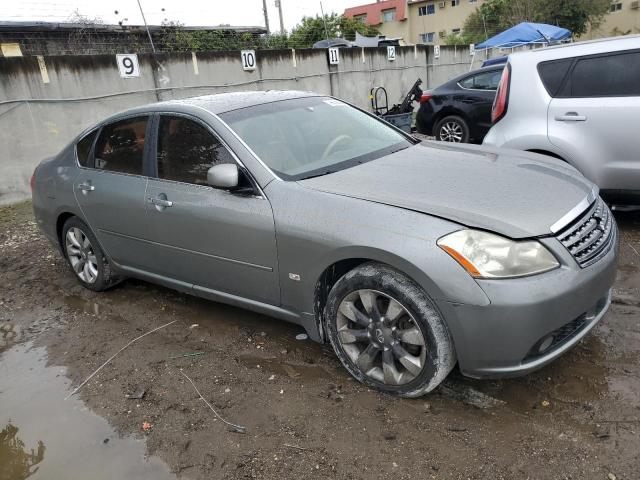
324	20
153	48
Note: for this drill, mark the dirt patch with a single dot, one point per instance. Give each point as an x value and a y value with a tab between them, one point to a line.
304	415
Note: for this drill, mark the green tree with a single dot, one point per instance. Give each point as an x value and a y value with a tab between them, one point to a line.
494	16
314	29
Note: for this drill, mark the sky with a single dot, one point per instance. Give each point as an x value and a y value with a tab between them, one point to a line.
188	12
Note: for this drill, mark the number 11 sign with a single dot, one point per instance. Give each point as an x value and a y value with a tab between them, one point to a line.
128	65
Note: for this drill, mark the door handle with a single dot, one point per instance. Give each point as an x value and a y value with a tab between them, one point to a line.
160	202
86	187
571	117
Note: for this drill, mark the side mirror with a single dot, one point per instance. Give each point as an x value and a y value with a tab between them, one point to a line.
224	175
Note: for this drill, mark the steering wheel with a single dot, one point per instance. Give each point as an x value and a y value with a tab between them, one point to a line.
332	145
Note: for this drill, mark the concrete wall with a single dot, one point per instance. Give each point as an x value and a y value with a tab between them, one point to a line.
37	119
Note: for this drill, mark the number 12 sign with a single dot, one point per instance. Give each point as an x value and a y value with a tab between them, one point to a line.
128	65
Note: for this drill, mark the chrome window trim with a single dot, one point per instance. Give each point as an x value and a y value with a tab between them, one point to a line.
200	121
477	89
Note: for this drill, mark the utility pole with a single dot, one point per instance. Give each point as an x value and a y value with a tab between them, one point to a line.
279	5
266	16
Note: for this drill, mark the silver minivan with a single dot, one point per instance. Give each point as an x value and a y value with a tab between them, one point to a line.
579	103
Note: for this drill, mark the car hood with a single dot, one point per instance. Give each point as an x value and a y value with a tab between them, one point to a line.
514	193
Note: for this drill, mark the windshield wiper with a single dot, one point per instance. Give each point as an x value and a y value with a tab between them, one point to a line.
327	172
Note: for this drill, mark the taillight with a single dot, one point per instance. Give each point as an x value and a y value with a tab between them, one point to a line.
425	97
32	182
501	102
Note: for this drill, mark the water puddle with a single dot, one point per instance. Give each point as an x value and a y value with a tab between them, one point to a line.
43	436
277	366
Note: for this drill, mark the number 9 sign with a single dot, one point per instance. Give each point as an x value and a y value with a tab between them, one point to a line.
128	65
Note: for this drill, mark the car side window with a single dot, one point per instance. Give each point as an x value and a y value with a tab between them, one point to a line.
482	81
553	72
187	149
83	148
613	75
120	147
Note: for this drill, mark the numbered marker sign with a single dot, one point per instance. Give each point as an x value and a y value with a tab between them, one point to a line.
248	58
472	49
128	65
334	56
436	51
391	53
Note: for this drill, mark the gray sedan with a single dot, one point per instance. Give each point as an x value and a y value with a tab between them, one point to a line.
406	256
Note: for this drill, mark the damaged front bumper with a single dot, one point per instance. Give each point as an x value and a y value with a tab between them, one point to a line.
533	320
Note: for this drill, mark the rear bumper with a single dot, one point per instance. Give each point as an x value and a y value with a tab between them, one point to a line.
533	320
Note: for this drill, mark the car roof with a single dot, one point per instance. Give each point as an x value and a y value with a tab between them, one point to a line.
589	47
221	102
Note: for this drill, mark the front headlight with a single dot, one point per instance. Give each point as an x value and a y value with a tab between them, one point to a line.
486	255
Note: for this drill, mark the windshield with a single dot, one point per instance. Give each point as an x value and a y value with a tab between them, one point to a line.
311	136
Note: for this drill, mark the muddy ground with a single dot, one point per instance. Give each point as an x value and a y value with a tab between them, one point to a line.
305	418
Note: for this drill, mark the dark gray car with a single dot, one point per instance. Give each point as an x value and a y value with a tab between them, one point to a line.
408	257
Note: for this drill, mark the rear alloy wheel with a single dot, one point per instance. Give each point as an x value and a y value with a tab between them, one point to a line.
86	259
452	129
81	255
386	331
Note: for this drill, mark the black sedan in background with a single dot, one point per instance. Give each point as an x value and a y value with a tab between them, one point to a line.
460	110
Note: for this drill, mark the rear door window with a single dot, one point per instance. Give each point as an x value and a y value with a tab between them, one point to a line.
83	148
482	81
120	147
552	73
187	150
612	75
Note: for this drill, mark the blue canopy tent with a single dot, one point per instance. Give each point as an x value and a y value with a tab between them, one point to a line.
526	33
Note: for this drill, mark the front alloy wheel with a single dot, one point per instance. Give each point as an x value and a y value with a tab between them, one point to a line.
381	337
387	332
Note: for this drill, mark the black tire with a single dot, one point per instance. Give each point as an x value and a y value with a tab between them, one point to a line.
439	357
105	277
459	126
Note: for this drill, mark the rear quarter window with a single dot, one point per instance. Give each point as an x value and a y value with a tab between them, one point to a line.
83	148
552	74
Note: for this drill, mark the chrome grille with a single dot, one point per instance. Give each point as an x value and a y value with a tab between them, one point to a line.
591	236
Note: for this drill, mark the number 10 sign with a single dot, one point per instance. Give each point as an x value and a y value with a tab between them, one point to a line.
128	65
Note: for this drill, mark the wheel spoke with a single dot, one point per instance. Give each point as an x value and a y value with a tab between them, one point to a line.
408	361
92	258
71	236
412	336
72	250
394	310
391	374
351	335
367	358
368	299
86	272
93	271
77	265
349	310
85	241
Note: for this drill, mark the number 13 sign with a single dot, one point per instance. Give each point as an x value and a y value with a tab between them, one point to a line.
128	65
